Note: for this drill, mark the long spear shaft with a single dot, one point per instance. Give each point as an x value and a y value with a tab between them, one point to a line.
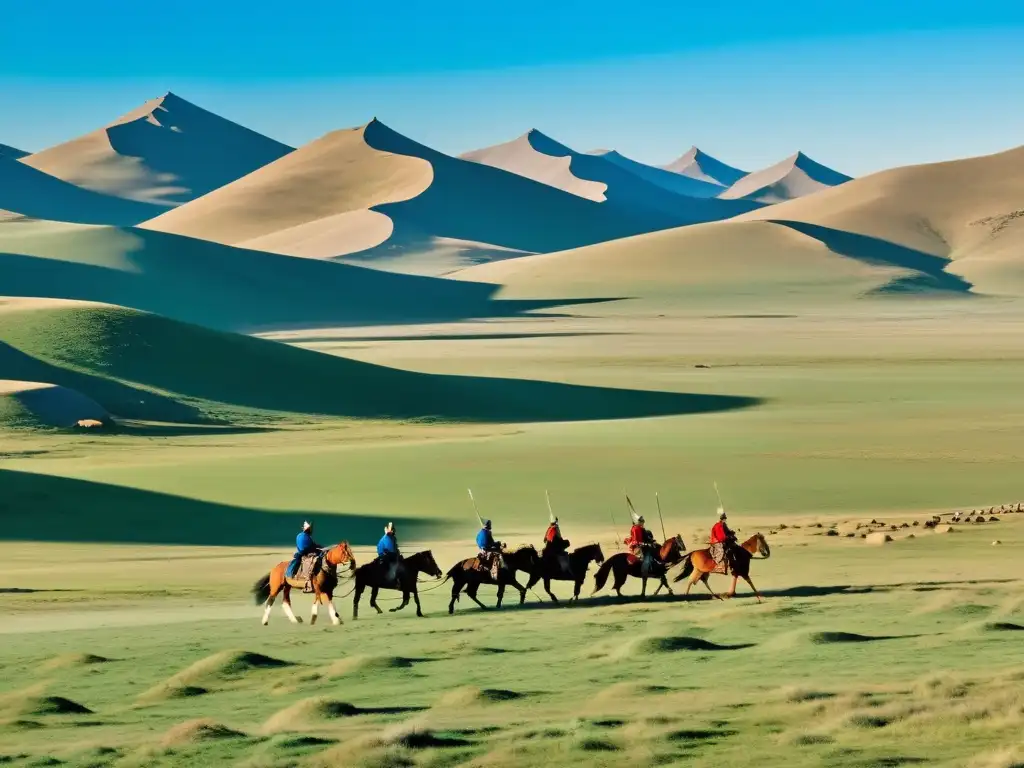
548	497
657	498
721	506
477	511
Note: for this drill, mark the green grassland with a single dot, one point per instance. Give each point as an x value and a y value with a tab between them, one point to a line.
145	542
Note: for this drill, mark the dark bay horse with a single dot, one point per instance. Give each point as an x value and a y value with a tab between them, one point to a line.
265	590
465	575
623	564
374	575
579	560
701	564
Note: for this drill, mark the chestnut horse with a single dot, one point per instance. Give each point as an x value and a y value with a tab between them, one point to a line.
465	574
624	564
701	564
579	560
265	590
374	575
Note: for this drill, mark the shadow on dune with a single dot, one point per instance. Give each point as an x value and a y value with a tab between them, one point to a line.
453	336
97	350
872	250
231	288
84	511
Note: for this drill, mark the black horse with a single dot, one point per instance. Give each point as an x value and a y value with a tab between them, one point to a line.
375	576
579	560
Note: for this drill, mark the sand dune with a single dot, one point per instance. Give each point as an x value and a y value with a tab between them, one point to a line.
627	184
794	177
701	166
326	200
215	285
27	403
166	152
29	193
680	183
12	152
970	211
709	262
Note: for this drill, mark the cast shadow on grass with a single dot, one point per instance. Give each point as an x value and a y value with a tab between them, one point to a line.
84	511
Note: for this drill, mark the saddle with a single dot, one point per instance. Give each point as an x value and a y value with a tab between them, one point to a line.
491	563
309	567
720	556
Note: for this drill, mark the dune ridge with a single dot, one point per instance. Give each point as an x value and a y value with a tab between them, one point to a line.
697	164
164	153
12	152
796	176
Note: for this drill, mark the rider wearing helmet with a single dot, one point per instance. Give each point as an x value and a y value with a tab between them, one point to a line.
555	553
389	555
304	545
489	554
641	544
722	541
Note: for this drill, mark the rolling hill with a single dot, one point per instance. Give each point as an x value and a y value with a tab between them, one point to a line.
217	285
970	211
145	367
796	176
164	153
375	196
698	165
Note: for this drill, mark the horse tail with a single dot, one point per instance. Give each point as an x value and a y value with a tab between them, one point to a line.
602	575
261	590
687	568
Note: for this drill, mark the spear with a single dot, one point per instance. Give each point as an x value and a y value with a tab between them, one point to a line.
550	512
721	506
664	536
480	519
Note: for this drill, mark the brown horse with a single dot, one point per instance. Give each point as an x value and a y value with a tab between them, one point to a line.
701	564
374	575
265	590
465	574
579	560
624	564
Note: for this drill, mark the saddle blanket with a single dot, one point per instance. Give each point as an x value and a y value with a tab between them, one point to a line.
309	566
717	552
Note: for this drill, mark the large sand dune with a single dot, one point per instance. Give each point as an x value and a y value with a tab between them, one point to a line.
700	166
627	184
970	211
12	152
740	261
34	404
30	193
374	194
680	183
796	176
213	284
166	152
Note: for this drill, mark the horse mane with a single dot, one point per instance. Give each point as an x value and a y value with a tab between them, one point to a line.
523	547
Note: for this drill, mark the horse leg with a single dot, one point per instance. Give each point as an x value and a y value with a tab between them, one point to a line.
312	613
620	579
547	588
357	593
331	610
643	586
274	589
756	593
471	590
373	598
522	591
456	588
286	605
732	591
501	593
656	591
704	578
405	602
664	583
576	589
416	597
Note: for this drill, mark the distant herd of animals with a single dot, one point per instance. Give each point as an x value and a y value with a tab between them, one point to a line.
466	575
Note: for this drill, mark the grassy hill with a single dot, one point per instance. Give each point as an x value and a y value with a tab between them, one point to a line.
147	367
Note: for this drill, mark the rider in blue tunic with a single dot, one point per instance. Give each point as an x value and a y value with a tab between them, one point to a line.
490	550
388	553
304	545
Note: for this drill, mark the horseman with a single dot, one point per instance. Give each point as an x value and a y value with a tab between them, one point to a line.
555	553
304	545
389	555
489	555
641	544
723	542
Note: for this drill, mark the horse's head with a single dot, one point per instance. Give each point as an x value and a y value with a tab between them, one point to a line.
762	546
341	554
596	554
672	549
430	565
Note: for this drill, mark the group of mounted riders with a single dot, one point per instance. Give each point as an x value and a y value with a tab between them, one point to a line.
493	564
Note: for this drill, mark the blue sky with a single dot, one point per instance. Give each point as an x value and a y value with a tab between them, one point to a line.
858	86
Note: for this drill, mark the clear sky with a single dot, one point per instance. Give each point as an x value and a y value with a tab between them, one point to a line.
858	86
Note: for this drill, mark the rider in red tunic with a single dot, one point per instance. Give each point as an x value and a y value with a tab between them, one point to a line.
722	541
641	544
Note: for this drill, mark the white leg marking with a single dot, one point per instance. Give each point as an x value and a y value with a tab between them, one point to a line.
287	607
335	618
312	615
266	611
